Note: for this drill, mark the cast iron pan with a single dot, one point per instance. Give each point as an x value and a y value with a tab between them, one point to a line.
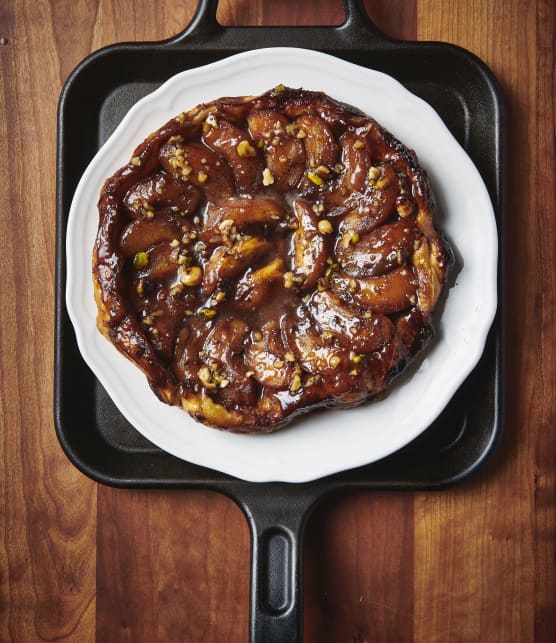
103	445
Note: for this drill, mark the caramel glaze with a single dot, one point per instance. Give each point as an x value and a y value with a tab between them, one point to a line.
260	257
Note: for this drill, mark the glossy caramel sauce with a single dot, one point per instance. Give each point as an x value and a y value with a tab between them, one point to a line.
261	257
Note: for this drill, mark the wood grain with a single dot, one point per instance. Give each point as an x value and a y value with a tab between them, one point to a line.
171	567
80	562
470	598
359	549
48	515
359	570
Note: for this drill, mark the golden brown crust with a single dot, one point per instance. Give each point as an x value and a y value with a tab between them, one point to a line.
259	257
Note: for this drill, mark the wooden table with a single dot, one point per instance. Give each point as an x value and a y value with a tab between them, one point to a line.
83	562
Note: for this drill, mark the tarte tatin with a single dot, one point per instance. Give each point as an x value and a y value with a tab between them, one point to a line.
261	257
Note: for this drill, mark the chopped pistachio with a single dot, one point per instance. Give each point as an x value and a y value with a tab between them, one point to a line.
374	173
208	313
205	376
220	295
325	227
211	120
176	289
296	384
136	160
315	178
141	260
191	276
268	178
290	129
349	237
288	279
335	361
404	207
244	148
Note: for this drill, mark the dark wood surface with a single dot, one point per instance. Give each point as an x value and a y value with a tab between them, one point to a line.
82	562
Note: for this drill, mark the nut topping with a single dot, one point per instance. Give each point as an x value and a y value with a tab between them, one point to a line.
261	257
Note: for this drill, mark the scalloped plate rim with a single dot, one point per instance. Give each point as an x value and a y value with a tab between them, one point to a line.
273	457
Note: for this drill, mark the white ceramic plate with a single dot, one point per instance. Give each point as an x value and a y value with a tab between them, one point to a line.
326	442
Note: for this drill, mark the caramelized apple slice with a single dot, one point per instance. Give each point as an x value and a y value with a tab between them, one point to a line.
356	160
162	321
157	264
320	146
309	246
161	190
254	288
364	334
378	252
200	165
267	357
189	344
236	147
316	354
385	294
265	124
224	370
224	343
226	262
284	153
241	213
430	263
286	163
364	211
140	234
413	329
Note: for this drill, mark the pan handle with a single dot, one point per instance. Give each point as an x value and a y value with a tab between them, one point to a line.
205	30
276	521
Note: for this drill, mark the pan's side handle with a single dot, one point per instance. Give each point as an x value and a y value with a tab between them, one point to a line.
356	28
204	22
276	520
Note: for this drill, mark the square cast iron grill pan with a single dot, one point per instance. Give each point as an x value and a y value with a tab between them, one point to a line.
102	444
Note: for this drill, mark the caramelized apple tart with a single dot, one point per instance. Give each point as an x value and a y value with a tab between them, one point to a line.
260	257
